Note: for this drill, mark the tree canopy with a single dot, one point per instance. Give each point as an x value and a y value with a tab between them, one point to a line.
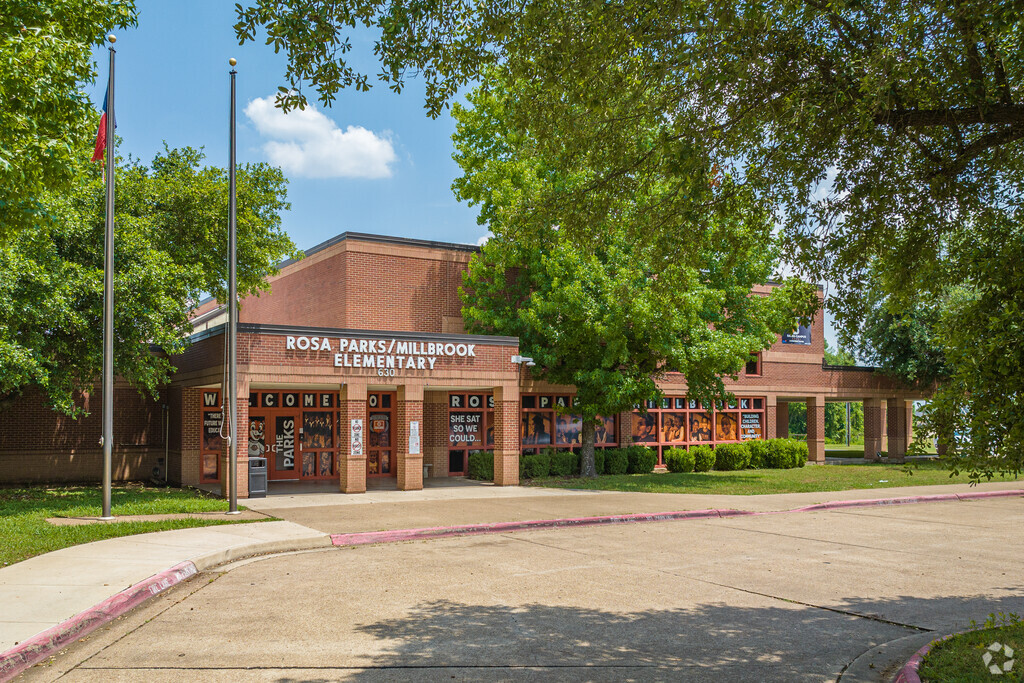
45	117
888	135
170	248
651	293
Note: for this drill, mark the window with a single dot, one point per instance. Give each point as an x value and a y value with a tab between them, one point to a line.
754	365
680	422
545	424
470	428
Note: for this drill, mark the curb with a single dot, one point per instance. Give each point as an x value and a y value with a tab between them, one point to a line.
369	537
908	673
27	653
31	651
399	535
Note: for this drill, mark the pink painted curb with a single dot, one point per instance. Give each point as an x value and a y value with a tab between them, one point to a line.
25	654
368	537
398	535
909	672
907	500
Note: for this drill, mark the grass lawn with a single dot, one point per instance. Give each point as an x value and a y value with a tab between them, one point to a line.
24	531
753	482
959	659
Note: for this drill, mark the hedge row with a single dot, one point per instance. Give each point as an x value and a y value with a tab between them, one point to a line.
758	454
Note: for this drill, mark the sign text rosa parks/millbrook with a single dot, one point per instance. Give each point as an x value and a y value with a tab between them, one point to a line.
385	355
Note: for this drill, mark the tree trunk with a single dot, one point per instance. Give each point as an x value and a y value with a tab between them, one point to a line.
587	468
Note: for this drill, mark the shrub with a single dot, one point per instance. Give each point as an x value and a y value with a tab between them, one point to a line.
481	466
799	454
615	461
563	463
641	460
703	458
534	465
785	453
598	461
758	453
679	460
732	456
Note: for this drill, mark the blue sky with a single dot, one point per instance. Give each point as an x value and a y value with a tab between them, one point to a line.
374	162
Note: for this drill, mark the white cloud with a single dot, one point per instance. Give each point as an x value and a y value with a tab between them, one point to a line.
306	143
483	240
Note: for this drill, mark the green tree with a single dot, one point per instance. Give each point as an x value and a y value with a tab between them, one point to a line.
613	315
888	134
46	120
170	248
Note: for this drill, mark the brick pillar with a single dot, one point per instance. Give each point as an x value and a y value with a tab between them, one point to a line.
409	468
816	429
242	438
191	434
625	435
506	436
873	428
782	420
351	468
771	408
896	428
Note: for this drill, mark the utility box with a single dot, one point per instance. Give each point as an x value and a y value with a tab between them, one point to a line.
257	477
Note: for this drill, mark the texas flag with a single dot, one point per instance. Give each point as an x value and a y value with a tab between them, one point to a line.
101	134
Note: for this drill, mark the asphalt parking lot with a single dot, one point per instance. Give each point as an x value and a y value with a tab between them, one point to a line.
769	598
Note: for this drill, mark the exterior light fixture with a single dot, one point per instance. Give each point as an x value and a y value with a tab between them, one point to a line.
523	360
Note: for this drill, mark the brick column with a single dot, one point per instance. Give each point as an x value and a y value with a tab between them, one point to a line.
816	429
351	468
506	436
242	438
771	408
782	420
896	427
873	428
625	435
191	434
409	469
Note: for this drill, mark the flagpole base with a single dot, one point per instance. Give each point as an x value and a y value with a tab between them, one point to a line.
233	512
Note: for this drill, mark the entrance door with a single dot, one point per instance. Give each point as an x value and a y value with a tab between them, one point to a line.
380	442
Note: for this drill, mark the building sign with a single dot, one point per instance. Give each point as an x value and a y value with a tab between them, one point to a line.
801	335
465	427
356	442
414	437
386	356
750	426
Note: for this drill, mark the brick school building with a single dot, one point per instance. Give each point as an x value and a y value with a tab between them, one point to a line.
355	367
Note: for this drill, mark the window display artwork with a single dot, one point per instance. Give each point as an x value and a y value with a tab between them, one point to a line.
211	430
673	427
317	430
645	427
465	428
726	427
380	430
750	426
537	428
326	464
257	437
604	432
569	429
700	427
284	437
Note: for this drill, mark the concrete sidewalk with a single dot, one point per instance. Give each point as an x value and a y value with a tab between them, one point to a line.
44	591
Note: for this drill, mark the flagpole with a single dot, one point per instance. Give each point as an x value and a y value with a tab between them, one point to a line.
108	295
232	316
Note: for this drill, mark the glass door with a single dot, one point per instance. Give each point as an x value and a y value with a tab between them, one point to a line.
380	442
